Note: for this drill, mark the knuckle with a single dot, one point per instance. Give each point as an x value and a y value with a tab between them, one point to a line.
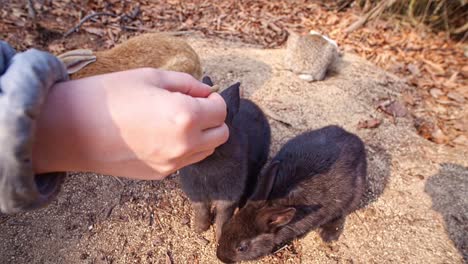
185	119
225	134
181	149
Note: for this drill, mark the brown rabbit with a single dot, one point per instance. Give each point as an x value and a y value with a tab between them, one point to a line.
314	181
155	50
310	55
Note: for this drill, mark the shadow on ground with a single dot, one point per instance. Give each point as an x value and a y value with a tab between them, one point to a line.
449	192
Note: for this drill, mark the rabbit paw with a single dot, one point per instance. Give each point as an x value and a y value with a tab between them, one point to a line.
306	77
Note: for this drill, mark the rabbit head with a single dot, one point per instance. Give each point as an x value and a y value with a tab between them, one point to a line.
250	234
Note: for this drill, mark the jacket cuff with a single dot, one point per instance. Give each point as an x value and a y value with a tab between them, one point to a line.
25	81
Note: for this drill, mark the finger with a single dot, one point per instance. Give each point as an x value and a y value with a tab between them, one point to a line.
213	138
211	111
183	83
199	156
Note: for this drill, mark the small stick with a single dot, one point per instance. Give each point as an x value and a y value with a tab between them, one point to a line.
150	30
86	18
281	248
158	220
380	7
31	9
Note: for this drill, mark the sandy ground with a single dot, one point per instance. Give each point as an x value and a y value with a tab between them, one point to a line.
415	210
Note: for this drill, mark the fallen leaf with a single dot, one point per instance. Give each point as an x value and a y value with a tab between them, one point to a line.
370	123
409	98
461	140
185	220
396	67
464	71
456	97
438	136
168	258
461	125
434	68
96	31
453	78
394	108
424	128
436	92
413	69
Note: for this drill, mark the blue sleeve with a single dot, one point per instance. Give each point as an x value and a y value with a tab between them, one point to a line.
25	80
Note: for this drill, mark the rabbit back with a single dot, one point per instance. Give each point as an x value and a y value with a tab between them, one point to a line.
153	50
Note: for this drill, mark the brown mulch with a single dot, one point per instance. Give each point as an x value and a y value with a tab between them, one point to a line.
434	65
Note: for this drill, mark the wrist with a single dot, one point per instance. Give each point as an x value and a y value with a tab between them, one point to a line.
65	126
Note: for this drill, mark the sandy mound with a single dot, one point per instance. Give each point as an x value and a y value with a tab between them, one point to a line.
415	211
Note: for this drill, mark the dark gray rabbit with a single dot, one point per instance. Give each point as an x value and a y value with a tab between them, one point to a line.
315	180
226	178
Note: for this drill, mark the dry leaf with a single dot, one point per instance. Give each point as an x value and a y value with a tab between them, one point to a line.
424	128
414	69
461	125
393	108
370	123
96	31
436	92
464	71
409	98
168	258
461	140
456	97
435	68
438	136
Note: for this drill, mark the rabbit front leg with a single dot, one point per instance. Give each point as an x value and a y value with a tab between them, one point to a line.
224	211
202	217
332	230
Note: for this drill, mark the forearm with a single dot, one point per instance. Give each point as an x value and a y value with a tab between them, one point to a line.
77	131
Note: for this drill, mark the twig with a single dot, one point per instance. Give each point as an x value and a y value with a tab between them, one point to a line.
119	180
169	258
281	248
158	220
376	10
150	30
86	18
31	9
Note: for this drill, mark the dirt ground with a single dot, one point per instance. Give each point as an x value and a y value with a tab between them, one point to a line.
415	210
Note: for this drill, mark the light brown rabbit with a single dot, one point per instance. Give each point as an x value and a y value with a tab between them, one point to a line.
155	50
310	55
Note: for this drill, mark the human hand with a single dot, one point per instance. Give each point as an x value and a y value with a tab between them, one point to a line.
142	123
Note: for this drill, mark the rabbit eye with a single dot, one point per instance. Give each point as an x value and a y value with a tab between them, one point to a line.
242	247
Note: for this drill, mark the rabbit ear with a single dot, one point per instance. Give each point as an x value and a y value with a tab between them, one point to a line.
76	60
266	181
207	80
232	97
272	218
